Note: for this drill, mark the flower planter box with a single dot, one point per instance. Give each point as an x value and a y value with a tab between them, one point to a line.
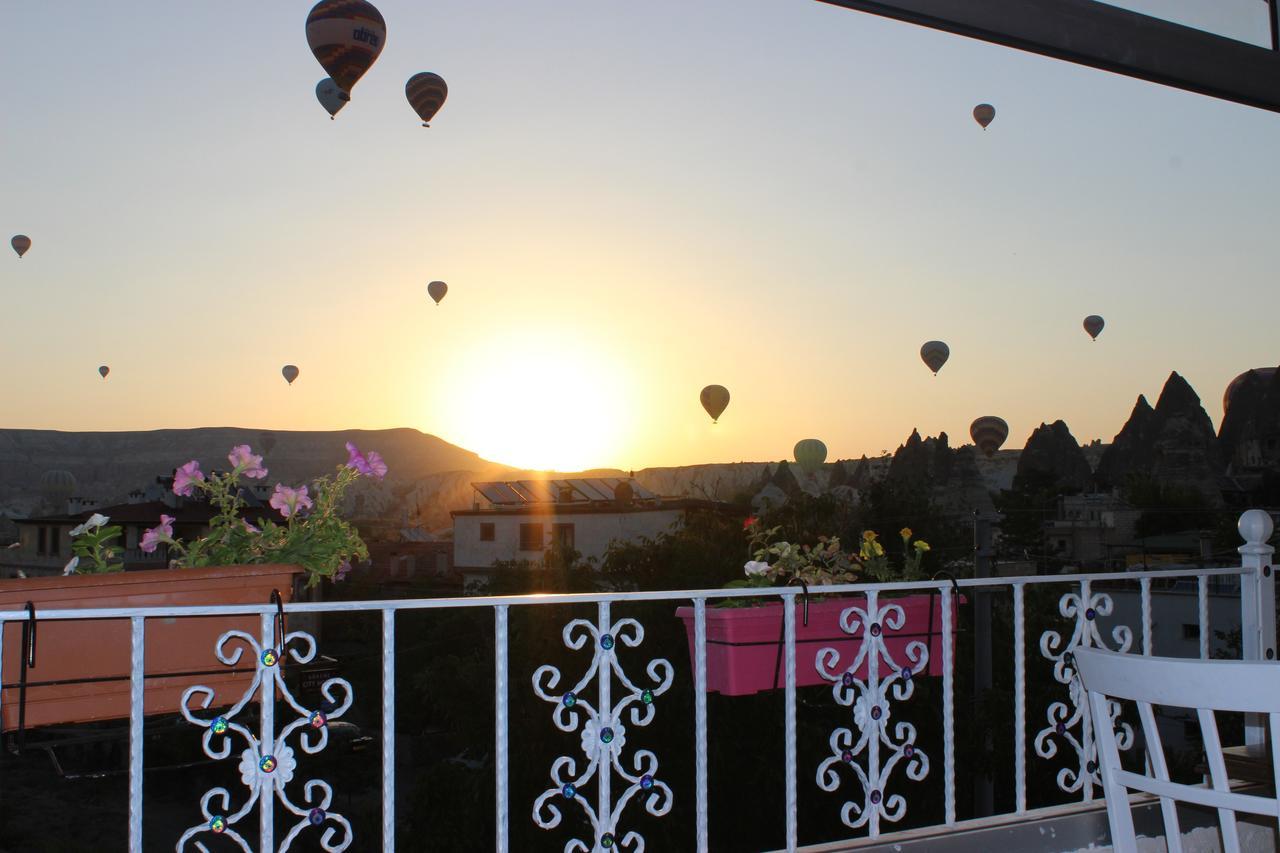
83	666
743	642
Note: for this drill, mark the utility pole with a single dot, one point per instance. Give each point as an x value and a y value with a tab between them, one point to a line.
983	796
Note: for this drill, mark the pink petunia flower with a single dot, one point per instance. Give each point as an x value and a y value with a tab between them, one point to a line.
244	462
185	478
152	538
249	528
343	570
377	467
356	460
370	465
289	501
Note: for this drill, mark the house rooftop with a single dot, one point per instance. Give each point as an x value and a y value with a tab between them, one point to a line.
516	493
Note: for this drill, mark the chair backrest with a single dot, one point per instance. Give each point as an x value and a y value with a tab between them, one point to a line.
1206	687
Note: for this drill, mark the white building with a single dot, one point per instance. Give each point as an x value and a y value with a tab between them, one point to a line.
522	519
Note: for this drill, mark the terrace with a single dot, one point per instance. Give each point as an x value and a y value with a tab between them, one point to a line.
604	734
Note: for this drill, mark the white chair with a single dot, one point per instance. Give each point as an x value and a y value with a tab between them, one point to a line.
1206	686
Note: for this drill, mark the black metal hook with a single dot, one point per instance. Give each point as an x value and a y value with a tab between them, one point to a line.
955	584
29	637
28	662
777	662
281	625
804	597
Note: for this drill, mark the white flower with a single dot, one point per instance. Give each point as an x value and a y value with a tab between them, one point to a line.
611	736
70	568
95	521
756	568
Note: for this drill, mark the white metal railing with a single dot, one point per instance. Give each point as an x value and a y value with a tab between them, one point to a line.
869	747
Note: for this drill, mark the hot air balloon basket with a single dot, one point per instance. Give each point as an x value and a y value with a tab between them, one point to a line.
81	669
745	644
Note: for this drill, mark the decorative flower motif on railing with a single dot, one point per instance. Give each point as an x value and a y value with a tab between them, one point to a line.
603	736
1065	719
267	762
869	697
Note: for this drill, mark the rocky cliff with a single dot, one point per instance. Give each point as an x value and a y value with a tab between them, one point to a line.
104	467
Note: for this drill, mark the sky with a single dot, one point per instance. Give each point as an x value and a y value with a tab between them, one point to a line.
628	201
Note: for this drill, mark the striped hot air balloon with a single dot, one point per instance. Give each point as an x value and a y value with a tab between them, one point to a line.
935	354
715	399
984	114
988	433
346	37
426	92
20	244
810	453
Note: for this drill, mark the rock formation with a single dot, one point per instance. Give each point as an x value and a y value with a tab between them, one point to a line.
1174	444
1052	454
1130	449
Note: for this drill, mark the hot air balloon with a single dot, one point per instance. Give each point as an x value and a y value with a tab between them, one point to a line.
331	97
1262	375
289	372
988	433
20	244
983	114
1093	325
715	399
103	370
935	354
426	92
346	37
810	454
436	290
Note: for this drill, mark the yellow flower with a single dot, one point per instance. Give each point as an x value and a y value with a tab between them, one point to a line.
905	533
869	535
922	546
879	550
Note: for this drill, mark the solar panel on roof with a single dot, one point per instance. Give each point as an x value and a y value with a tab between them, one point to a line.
548	491
592	490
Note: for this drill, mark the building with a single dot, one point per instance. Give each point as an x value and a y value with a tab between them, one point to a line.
1092	530
407	561
523	519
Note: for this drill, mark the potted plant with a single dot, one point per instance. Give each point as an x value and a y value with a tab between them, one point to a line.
81	667
744	636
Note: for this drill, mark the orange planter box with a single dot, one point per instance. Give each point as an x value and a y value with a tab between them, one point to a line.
82	666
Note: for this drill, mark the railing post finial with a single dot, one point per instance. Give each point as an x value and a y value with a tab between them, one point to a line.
1255	528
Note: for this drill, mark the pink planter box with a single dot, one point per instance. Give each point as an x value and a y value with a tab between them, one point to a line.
743	642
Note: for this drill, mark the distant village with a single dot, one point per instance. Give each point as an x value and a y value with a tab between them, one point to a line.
445	517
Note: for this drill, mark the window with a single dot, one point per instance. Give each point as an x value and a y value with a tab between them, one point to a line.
55	541
562	535
1190	631
42	541
486	531
531	537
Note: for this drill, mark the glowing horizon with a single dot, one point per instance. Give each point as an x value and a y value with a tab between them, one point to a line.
626	206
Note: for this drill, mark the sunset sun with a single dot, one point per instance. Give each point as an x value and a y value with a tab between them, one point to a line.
552	403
